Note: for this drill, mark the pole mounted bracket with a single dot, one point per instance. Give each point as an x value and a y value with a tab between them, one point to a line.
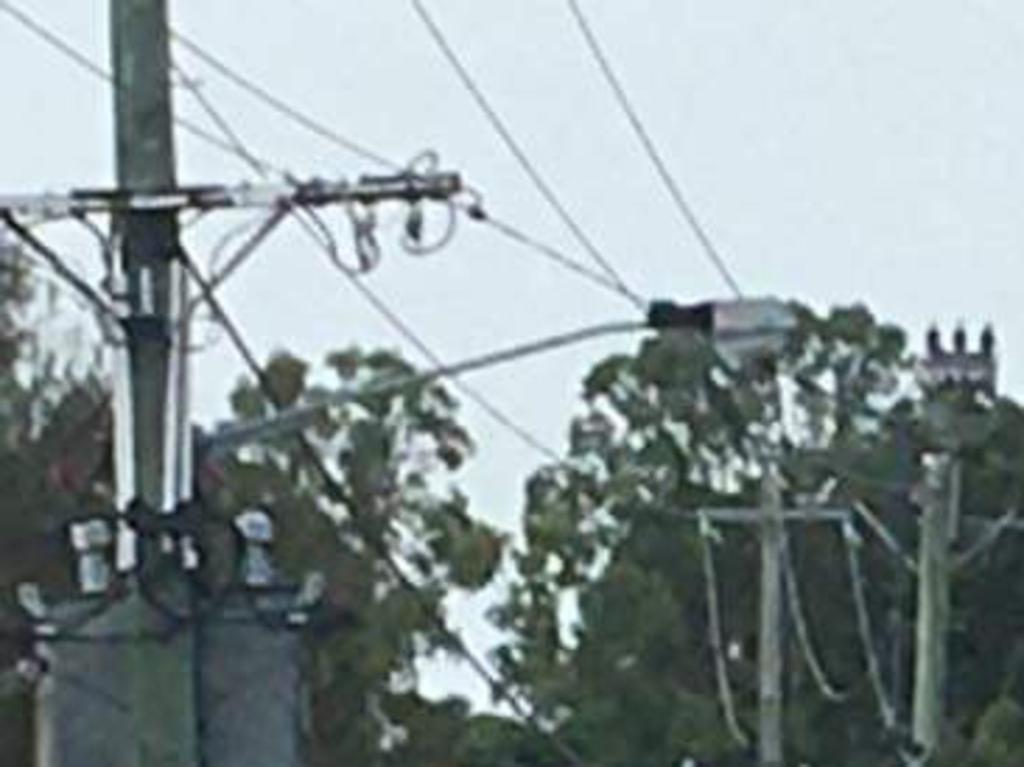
146	327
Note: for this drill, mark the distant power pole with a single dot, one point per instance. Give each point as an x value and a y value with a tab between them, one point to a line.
953	379
770	654
771	519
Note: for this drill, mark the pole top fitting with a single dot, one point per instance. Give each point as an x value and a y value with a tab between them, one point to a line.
257	531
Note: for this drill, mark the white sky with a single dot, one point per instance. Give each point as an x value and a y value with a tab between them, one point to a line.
838	152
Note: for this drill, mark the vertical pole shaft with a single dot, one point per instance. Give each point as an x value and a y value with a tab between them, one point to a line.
770	747
160	673
145	162
933	601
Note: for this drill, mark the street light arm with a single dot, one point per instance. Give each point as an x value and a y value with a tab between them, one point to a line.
753	323
300	417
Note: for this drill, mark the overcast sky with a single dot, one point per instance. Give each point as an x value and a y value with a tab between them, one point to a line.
837	152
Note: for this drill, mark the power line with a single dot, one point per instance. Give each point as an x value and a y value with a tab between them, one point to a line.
792	586
86	63
675	191
508	230
280	106
410	335
853	542
236	147
382	308
494	679
474	210
517	151
726	697
59	267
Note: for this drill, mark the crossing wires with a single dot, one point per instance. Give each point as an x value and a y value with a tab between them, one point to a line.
672	186
499	125
319	234
474	207
498	685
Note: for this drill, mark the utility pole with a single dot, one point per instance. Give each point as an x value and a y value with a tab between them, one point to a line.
142	670
770	519
149	419
148	675
933	603
750	334
953	380
770	652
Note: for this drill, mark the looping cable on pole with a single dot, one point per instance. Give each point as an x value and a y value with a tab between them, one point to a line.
828	690
715	637
532	172
853	543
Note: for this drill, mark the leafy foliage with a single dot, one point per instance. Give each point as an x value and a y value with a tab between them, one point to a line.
608	617
392	460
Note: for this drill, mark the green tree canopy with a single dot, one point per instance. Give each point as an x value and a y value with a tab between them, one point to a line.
608	619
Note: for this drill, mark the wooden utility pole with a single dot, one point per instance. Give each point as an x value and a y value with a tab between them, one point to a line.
150	431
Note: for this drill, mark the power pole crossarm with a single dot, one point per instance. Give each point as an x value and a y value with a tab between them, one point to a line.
167	198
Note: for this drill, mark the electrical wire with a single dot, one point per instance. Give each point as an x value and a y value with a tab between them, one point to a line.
885	535
235	146
682	205
238	147
332	251
500	687
529	168
367	261
59	267
828	690
73	54
405	330
279	105
726	697
474	209
478	213
853	542
987	540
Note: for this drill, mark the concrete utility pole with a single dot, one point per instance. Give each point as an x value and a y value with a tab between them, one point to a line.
163	673
933	603
143	670
147	677
952	379
770	652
